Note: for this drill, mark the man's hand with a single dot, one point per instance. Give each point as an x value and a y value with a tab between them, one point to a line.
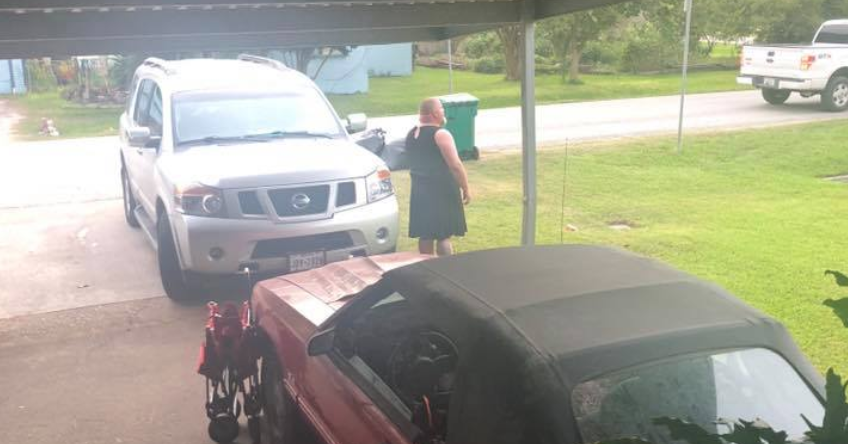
466	196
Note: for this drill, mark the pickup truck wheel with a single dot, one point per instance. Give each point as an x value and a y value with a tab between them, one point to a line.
279	417
834	98
776	96
129	200
173	278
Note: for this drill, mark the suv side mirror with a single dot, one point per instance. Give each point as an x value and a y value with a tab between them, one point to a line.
357	123
138	136
321	343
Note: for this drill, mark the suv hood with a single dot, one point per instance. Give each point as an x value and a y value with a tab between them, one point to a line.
274	163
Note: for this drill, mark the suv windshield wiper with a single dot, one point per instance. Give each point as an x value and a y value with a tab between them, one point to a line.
209	140
284	134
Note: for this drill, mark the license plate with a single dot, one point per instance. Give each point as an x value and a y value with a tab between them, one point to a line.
772	83
306	261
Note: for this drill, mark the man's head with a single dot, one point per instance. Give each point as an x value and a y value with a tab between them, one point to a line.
431	112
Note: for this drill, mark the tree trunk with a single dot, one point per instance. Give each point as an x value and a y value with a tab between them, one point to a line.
575	52
511	37
302	58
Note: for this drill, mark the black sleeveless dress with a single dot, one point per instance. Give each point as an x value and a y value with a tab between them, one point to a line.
435	205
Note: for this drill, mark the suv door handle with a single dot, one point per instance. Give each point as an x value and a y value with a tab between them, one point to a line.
139	151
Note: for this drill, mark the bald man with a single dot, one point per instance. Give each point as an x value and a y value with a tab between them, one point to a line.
439	182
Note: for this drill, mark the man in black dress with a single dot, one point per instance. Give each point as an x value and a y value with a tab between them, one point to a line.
439	182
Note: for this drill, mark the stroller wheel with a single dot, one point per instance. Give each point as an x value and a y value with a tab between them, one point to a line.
224	428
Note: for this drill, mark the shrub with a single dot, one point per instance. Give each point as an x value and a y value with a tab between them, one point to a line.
489	65
40	77
481	45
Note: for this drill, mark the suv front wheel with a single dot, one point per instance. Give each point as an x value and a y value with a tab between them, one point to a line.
174	280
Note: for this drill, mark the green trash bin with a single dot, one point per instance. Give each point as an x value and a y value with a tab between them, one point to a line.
460	111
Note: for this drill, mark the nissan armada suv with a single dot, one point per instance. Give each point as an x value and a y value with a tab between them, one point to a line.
229	165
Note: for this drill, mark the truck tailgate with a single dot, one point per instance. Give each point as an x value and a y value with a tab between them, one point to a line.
774	61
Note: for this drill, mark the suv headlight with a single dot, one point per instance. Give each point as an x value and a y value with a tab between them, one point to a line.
199	200
379	185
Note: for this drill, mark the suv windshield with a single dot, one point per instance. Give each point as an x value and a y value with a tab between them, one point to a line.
214	117
744	384
833	34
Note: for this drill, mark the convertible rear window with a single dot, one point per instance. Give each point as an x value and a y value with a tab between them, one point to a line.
744	384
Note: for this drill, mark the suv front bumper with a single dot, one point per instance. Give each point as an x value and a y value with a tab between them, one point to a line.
347	233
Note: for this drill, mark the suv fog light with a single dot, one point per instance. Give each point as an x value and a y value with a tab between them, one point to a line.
382	233
216	253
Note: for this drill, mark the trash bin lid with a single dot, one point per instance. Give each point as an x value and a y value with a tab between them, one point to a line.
458	99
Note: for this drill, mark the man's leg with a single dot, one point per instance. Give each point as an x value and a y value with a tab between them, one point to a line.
444	247
425	246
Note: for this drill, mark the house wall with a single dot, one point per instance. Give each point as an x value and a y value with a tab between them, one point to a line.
389	60
342	75
349	74
7	76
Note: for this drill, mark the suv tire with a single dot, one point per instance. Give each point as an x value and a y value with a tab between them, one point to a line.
174	280
279	412
129	199
776	96
834	98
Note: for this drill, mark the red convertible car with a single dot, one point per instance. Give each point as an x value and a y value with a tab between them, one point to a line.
563	344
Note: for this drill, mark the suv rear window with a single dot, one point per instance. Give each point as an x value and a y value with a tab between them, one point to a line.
199	115
837	34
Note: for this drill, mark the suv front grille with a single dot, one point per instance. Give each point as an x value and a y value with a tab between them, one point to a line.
249	203
346	194
302	201
275	248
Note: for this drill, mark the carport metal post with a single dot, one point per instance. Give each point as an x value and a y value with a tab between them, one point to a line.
687	6
528	122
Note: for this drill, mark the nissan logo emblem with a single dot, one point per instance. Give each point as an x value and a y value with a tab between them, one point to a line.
300	201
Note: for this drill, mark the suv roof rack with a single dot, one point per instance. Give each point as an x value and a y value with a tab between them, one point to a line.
276	64
155	62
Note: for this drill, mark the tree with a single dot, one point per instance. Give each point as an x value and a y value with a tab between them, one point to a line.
511	38
571	33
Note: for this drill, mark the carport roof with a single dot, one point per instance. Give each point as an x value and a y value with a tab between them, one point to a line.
35	28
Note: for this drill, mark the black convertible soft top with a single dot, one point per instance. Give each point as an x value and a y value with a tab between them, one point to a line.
533	322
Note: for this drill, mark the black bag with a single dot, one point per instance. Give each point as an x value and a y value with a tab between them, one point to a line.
394	154
373	140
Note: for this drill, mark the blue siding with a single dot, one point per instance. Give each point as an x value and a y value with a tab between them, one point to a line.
390	60
343	75
16	73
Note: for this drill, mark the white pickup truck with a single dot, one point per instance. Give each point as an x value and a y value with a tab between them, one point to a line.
820	68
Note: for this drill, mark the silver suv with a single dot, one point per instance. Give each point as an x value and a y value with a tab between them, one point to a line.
234	164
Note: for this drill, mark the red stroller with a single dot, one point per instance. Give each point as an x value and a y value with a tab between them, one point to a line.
228	360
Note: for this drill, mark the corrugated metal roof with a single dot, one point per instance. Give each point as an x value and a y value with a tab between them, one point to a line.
30	28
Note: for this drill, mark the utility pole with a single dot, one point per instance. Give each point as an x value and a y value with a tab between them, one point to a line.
687	6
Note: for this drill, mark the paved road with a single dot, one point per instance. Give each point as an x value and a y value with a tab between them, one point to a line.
501	128
8	119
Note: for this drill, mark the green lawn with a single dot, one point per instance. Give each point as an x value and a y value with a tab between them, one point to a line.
401	95
747	210
71	119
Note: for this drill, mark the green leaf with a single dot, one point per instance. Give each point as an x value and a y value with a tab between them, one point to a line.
691	433
833	430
